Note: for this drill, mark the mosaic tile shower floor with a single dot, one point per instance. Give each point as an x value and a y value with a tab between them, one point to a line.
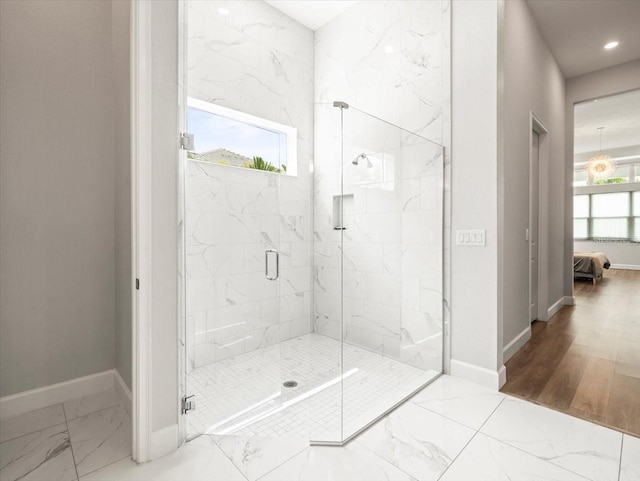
245	396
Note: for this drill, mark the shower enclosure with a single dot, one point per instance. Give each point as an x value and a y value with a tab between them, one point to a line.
312	235
313	301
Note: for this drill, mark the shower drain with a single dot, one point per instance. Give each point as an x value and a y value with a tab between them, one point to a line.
290	384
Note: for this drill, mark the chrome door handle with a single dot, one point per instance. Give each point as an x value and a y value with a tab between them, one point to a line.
266	264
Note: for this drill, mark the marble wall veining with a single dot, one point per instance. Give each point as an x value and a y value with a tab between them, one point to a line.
393	69
250	57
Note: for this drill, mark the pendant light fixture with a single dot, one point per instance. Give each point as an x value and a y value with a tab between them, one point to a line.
600	166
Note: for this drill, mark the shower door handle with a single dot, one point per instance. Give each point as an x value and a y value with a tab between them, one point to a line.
266	264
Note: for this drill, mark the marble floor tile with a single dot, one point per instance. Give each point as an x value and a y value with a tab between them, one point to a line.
460	400
92	403
579	446
100	438
630	463
189	463
486	459
31	422
255	456
41	456
419	442
349	463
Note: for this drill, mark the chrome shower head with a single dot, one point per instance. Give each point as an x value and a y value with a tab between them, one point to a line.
360	157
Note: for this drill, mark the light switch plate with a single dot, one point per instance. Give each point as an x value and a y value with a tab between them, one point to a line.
475	238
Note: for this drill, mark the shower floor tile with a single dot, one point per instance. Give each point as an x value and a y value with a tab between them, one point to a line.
244	395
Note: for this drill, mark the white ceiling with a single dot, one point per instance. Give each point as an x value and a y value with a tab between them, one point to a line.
312	13
576	31
618	114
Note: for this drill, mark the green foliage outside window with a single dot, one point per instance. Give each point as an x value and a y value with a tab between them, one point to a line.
260	164
612	180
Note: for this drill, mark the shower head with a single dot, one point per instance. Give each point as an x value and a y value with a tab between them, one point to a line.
360	157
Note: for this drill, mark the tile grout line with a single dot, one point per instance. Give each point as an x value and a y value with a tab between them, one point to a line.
620	462
472	438
454	420
565	414
33	432
284	462
215	445
534	456
115	460
73	456
98	411
507	396
442	416
102	467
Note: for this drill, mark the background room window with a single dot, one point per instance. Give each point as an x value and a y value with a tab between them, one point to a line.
611	216
625	172
581	216
229	137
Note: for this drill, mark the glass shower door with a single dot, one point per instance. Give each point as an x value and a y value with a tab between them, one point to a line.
233	286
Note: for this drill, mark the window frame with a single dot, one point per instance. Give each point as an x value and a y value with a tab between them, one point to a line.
593	190
291	133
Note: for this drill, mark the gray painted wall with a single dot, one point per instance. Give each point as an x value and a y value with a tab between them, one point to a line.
120	29
65	192
474	153
534	83
57	193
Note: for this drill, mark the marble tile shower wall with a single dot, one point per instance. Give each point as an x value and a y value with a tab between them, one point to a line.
248	56
396	68
234	215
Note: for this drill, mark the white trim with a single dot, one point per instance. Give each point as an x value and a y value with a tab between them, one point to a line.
124	393
628	267
479	375
163	441
290	132
519	341
555	307
537	126
41	397
141	197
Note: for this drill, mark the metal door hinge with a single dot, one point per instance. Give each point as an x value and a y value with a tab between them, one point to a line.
188	404
186	141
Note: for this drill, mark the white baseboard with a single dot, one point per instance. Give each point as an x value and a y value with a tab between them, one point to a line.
41	397
123	391
479	375
163	441
519	341
628	267
559	304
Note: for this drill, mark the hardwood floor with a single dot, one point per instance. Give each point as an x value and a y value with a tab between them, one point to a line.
585	361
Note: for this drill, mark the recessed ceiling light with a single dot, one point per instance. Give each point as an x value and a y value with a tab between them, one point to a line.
223	11
611	45
388	49
595	100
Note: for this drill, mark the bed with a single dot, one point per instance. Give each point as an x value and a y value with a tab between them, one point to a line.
589	265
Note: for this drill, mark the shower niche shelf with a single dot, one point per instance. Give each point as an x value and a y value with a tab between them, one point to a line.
342	222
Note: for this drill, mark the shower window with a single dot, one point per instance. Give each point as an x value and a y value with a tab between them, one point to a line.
229	137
